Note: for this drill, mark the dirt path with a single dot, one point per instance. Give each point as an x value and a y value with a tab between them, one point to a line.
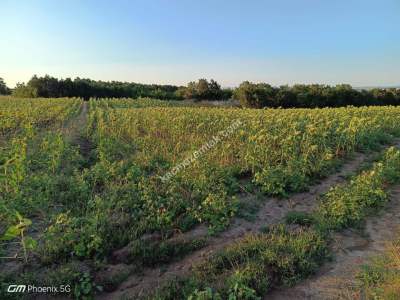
350	248
272	212
74	130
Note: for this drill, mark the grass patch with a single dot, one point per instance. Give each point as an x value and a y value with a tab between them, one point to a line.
252	266
299	218
151	254
380	279
348	205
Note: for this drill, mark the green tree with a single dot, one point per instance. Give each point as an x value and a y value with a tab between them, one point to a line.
255	95
25	91
191	91
202	90
180	93
4	90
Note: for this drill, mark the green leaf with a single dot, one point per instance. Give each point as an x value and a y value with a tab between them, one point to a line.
11	233
86	288
30	243
19	217
26	222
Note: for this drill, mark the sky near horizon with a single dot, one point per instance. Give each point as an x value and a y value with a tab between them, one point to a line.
176	41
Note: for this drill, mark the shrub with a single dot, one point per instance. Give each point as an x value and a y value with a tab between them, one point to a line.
255	95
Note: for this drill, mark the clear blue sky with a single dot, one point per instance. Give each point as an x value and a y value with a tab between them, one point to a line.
161	41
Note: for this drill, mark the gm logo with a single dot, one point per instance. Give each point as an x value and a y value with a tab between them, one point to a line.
13	288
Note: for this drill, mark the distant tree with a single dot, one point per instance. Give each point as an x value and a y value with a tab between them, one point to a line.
202	90
180	93
312	95
191	91
25	91
4	90
285	97
345	95
397	95
385	96
255	94
226	93
48	86
215	92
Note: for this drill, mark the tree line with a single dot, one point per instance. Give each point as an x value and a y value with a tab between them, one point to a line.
254	95
51	87
259	95
48	86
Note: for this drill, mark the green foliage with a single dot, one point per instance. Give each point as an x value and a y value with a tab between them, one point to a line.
250	267
281	181
48	86
25	91
217	210
282	150
206	294
241	281
348	204
254	95
85	288
202	90
118	199
18	231
4	90
380	277
14	167
149	253
71	236
257	95
300	218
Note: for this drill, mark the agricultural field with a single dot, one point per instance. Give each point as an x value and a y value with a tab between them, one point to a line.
150	199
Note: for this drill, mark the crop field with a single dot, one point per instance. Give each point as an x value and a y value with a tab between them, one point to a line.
150	199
